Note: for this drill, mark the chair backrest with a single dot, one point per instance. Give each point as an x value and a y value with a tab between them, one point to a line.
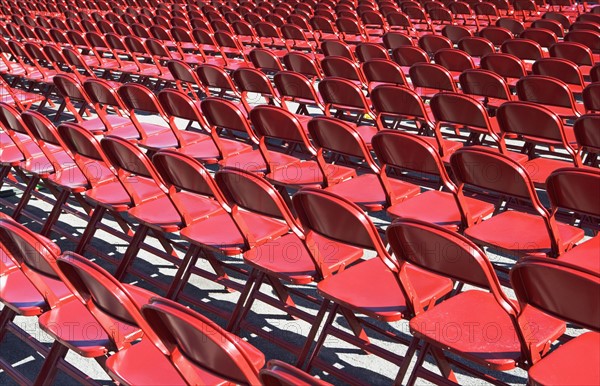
559	68
542	36
534	123
196	344
575	189
453	59
456	32
476	46
431	75
411	153
496	35
453	256
244	189
392	40
432	43
383	71
340	137
276	122
339	92
131	164
463	111
321	212
223	114
491	171
587	132
573	296
368	51
341	67
398	101
36	256
139	97
295	86
575	52
409	55
525	49
303	64
279	373
484	83
545	90
591	97
109	302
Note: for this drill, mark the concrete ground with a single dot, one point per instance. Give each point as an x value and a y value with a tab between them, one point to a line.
366	368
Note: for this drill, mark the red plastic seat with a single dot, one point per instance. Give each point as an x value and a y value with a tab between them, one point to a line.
487	84
304	64
591	95
463	112
544	37
385	103
410	241
433	43
456	32
573	361
106	193
524	49
447	207
455	61
115	310
370	287
265	60
477	47
393	40
338	66
210	147
372	191
383	71
590	39
33	286
345	96
103	94
520	118
522	232
368	51
296	87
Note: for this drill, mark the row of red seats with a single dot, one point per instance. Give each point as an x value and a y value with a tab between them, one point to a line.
275	228
133	325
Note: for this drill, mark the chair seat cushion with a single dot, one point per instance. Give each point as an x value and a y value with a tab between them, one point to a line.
586	254
574	363
521	233
440	208
371	288
288	258
486	336
221	234
366	191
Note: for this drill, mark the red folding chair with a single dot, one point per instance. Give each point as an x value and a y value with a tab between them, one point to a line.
348	101
352	291
115	312
561	69
523	232
516	118
572	361
33	286
467	264
461	111
373	190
